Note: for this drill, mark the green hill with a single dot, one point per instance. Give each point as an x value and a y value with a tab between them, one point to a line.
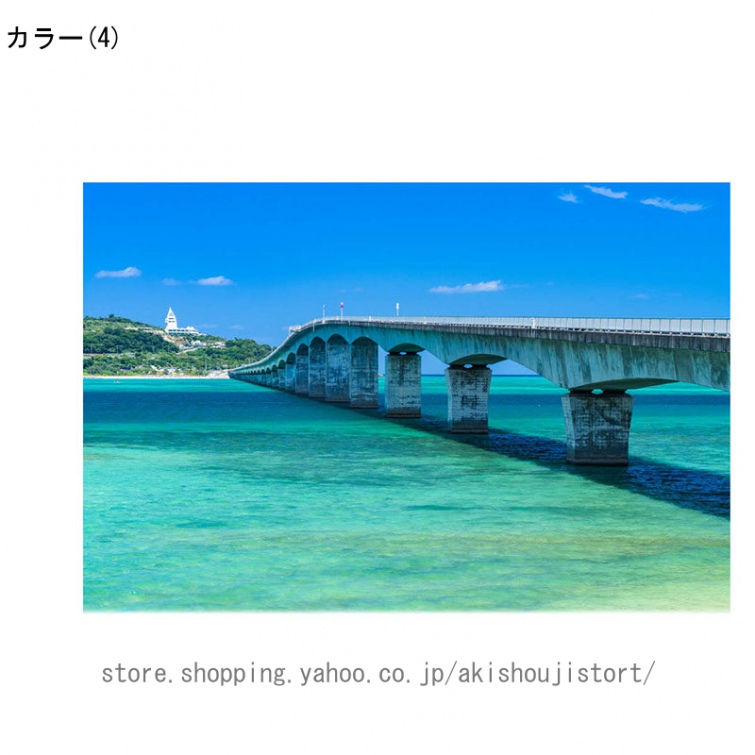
119	346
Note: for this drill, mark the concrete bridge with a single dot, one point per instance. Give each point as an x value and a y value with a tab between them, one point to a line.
596	359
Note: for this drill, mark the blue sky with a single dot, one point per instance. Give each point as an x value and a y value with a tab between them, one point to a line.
248	260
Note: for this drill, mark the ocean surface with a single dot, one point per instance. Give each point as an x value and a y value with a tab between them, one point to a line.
220	495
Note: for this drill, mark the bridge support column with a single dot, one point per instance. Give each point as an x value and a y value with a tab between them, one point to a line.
277	374
290	377
363	374
468	389
403	385
316	372
597	427
302	374
337	362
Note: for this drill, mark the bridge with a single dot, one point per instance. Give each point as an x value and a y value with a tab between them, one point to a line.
596	359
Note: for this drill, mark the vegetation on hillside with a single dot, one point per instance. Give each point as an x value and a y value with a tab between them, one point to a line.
119	346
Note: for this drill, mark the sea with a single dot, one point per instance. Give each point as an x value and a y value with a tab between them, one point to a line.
217	495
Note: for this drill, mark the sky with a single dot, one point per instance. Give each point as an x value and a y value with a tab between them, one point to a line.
249	260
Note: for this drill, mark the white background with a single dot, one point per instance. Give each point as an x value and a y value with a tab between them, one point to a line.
346	91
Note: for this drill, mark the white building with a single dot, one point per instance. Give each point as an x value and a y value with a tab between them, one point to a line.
171	326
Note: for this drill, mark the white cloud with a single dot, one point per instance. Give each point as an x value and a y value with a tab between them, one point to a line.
569	197
218	280
604	192
640	296
667	204
129	272
469	288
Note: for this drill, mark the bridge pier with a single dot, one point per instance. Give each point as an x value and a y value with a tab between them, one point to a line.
597	427
302	374
316	377
337	363
290	376
468	389
363	374
403	396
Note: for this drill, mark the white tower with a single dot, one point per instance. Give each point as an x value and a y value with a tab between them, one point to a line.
171	323
171	326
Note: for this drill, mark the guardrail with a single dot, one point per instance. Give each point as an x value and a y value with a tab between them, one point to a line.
667	325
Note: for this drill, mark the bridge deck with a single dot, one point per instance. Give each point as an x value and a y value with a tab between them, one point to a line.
695	334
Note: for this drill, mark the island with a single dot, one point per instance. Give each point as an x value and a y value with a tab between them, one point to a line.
118	347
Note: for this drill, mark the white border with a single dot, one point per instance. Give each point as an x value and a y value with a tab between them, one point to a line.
339	91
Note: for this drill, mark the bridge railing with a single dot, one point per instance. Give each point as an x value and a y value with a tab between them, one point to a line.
667	325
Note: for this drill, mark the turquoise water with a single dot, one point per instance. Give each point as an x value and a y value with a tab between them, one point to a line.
219	495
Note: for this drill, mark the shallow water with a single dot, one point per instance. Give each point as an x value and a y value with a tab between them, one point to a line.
220	495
